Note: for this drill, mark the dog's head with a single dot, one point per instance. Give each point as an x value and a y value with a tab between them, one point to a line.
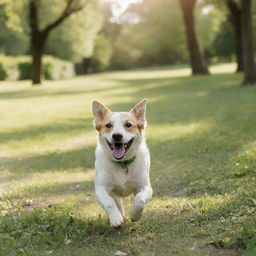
120	133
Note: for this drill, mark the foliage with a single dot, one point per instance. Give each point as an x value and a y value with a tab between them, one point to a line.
224	44
203	152
72	40
19	68
58	69
54	68
103	48
13	40
8	68
156	39
208	26
102	53
125	52
153	34
147	34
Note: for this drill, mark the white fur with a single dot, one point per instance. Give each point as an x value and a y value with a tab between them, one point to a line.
112	182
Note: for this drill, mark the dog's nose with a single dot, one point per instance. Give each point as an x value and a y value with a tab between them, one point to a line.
117	136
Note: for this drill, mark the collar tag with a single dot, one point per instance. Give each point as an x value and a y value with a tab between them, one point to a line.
125	163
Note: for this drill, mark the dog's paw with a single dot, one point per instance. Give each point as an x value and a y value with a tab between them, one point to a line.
136	214
135	217
116	219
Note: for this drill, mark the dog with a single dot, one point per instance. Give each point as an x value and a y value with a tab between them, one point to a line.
122	160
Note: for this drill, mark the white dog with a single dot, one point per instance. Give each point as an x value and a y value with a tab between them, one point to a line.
122	160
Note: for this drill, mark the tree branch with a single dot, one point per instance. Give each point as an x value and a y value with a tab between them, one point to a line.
233	7
69	9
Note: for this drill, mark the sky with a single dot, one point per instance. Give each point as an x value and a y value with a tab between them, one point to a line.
121	5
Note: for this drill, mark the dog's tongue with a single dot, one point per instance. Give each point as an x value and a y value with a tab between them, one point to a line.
118	152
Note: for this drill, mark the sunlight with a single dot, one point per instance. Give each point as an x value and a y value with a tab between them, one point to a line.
119	6
125	3
176	130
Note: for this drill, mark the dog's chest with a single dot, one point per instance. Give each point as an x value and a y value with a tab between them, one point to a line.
123	182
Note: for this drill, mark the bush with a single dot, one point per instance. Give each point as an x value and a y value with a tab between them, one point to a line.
8	68
24	65
55	68
14	68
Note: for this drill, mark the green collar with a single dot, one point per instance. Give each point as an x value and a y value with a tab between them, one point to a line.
125	163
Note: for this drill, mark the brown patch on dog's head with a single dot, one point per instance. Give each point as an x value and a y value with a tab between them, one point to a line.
139	112
130	123
101	114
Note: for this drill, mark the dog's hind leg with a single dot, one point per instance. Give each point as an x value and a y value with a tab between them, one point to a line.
119	204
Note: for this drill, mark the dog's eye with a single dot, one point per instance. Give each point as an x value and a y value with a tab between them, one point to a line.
108	125
128	125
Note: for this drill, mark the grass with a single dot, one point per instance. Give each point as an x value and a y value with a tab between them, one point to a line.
202	138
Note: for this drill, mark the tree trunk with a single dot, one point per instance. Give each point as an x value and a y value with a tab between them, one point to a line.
235	18
197	60
37	48
248	50
239	47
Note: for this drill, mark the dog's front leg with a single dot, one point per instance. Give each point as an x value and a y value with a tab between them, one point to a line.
139	202
109	204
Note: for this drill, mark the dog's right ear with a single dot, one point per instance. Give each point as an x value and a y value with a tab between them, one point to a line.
99	111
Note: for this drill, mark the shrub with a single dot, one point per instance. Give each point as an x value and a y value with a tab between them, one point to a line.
8	68
14	68
24	65
57	69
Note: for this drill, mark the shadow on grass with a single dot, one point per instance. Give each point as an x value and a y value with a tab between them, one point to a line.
68	126
39	93
53	190
54	161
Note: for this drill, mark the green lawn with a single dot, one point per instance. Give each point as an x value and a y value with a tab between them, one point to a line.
202	137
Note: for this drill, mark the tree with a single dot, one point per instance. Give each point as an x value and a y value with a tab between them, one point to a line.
235	17
248	47
38	36
197	60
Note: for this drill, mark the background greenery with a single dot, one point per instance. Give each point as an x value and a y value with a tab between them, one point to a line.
150	33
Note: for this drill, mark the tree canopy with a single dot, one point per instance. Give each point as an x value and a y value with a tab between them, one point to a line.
72	40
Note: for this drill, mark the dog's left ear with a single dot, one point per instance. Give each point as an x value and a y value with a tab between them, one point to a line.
99	112
139	111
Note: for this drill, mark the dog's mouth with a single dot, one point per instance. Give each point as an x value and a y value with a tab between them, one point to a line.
119	149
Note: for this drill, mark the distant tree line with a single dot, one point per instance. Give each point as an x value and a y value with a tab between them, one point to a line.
153	32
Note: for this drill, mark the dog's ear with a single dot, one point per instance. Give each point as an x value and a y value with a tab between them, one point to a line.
139	111
99	112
